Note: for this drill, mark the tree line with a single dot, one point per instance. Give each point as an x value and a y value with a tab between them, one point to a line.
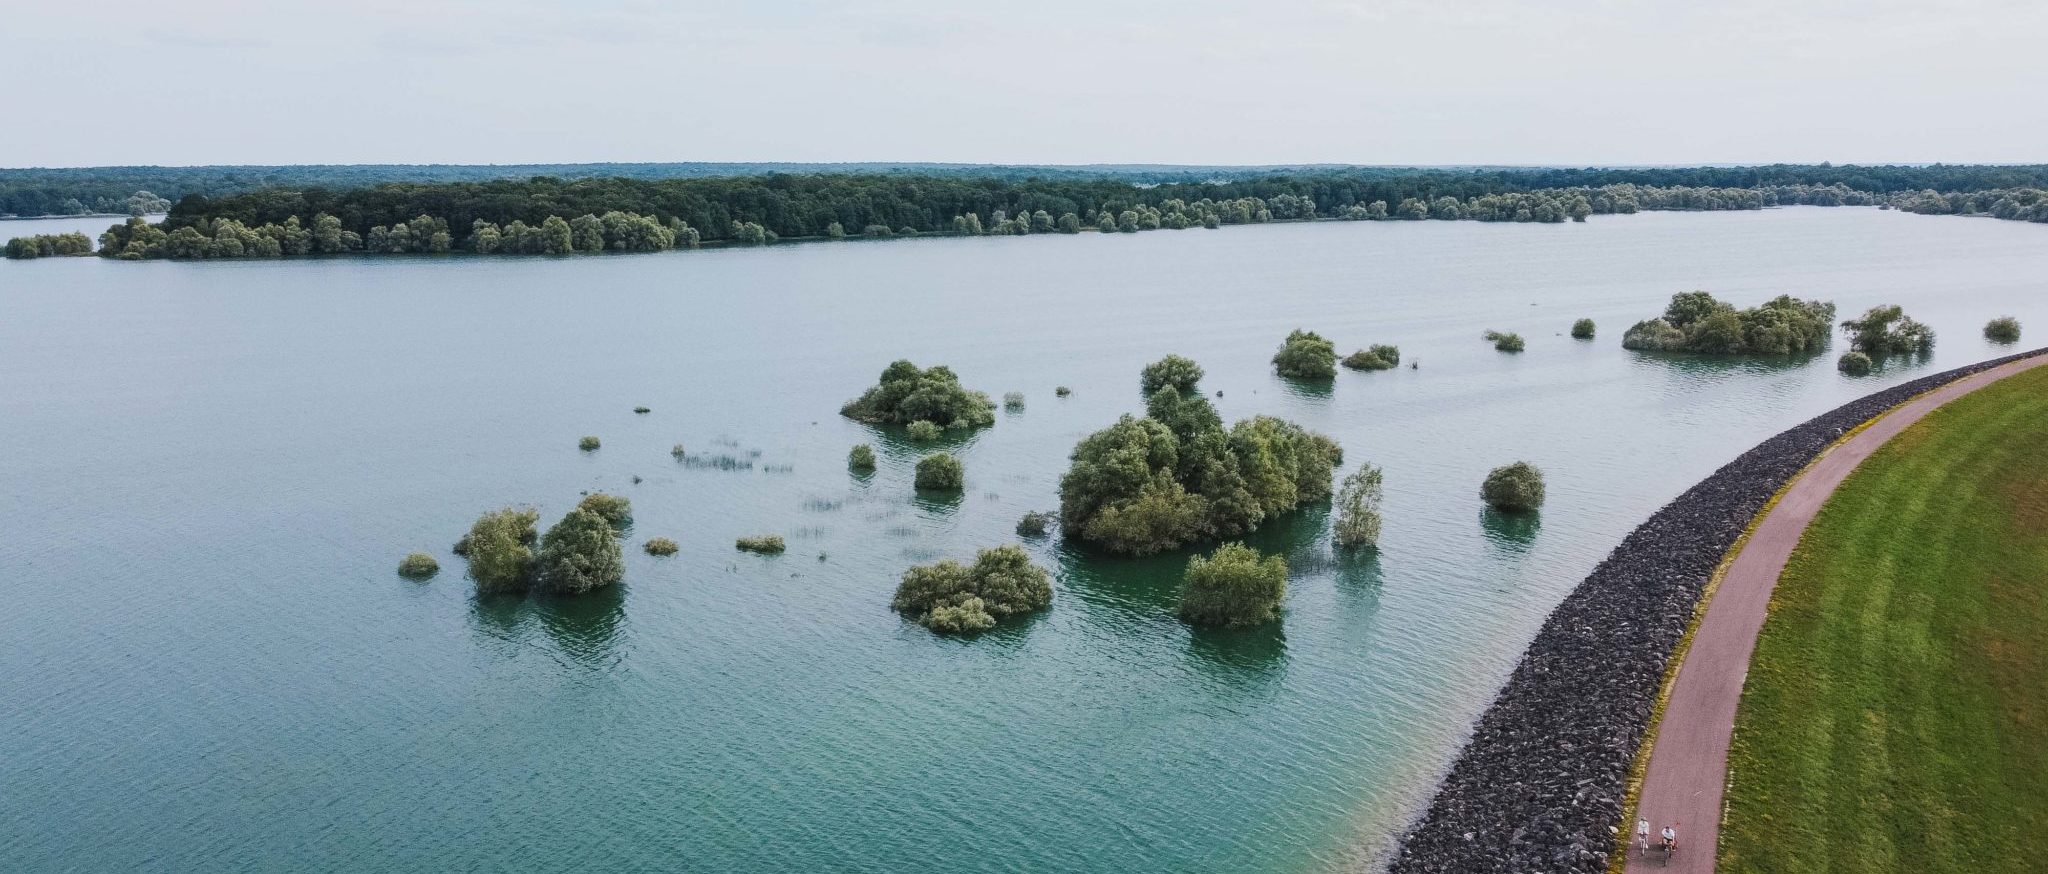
51	191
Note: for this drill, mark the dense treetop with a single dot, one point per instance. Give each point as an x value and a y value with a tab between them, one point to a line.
907	394
1696	322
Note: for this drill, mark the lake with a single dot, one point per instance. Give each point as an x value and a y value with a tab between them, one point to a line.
211	471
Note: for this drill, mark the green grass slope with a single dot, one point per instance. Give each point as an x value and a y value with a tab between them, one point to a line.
1895	717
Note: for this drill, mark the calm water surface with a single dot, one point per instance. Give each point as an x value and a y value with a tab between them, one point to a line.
210	471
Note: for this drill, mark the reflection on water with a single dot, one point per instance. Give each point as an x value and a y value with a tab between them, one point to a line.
1512	533
1241	658
584	629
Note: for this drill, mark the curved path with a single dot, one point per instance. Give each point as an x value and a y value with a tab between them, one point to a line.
1689	762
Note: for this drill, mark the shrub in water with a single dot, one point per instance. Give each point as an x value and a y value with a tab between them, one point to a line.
1885	330
1034	524
613	509
1513	488
499	550
677	451
940	472
1306	355
2004	329
1181	373
1378	357
418	564
1696	322
1062	391
861	458
1853	363
580	553
587	444
1582	329
949	597
766	544
1358	508
1234	586
923	431
1013	401
1150	484
906	394
1505	342
642	410
660	546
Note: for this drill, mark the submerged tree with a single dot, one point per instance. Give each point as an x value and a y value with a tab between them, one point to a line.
940	472
615	510
1513	488
1358	508
1173	370
1175	476
1306	355
1696	322
580	553
907	394
1232	587
2004	329
861	458
1505	342
1886	330
951	598
418	565
499	550
1582	329
1378	357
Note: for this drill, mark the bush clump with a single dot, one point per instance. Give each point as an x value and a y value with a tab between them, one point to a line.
642	410
923	431
952	598
1696	322
1176	476
1034	524
1505	342
660	546
1513	488
580	553
588	444
1853	363
1306	355
613	509
765	544
499	548
1013	401
1232	587
1358	508
1181	373
2004	329
940	472
1885	330
1377	357
861	458
906	394
678	451
1582	329
418	564
1062	391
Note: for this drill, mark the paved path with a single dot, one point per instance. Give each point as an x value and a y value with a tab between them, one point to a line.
1689	764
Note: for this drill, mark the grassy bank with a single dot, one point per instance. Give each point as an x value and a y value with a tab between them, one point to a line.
1895	717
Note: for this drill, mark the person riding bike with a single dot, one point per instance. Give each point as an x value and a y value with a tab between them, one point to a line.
1671	838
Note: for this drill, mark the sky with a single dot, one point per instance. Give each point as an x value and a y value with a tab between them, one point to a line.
1409	82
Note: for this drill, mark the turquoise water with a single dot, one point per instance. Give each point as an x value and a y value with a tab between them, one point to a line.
210	471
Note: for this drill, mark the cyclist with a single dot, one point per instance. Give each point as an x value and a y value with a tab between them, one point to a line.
1671	838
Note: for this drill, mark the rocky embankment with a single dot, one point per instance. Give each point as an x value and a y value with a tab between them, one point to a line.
1539	786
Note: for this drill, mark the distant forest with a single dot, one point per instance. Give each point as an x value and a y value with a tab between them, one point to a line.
72	191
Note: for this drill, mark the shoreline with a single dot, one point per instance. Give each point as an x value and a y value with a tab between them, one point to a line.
1541	782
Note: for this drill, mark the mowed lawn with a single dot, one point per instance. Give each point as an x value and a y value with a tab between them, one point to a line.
1896	713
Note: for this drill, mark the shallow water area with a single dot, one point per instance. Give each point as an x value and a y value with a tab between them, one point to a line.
212	470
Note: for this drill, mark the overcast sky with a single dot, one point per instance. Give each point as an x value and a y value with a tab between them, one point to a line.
1574	82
